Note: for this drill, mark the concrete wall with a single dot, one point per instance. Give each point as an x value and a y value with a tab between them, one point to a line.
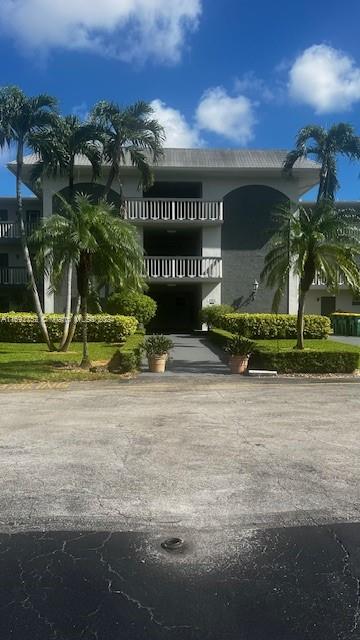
241	264
344	300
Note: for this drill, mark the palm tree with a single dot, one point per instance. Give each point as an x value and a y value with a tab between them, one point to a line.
99	244
308	241
129	134
58	149
20	118
325	145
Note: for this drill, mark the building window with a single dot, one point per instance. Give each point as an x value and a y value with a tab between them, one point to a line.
3	215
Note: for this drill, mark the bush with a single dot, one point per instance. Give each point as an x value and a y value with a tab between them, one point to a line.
318	356
211	314
157	345
305	361
128	357
23	327
142	307
268	325
239	346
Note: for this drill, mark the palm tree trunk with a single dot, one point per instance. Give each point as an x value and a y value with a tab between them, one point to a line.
67	306
109	182
300	320
72	326
25	248
69	274
85	362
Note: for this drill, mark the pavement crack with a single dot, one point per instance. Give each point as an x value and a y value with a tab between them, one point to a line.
347	570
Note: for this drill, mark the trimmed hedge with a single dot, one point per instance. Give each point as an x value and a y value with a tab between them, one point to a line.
268	325
128	357
142	307
340	359
210	315
305	361
23	327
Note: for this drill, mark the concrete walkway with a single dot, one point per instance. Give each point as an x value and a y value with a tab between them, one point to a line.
353	340
193	354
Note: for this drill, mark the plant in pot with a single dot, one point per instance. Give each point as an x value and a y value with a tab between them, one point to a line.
239	349
157	350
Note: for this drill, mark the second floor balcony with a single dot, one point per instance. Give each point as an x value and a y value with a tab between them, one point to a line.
13	276
174	211
11	230
179	268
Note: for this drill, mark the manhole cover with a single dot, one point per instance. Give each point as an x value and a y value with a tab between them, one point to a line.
173	544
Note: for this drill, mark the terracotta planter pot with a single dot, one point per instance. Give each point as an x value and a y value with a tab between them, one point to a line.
238	364
157	364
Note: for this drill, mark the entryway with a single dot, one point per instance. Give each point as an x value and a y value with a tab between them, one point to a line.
178	308
193	354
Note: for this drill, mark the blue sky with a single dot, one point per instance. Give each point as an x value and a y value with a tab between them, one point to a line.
221	73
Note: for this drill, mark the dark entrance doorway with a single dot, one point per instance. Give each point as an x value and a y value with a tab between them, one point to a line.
328	305
178	308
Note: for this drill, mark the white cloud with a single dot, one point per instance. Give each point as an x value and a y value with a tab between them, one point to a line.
325	78
254	85
127	29
179	133
7	155
230	117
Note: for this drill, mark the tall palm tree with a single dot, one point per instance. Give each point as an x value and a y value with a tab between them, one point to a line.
130	133
308	241
325	146
99	244
57	149
20	117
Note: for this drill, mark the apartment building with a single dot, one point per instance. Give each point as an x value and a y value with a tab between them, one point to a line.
205	225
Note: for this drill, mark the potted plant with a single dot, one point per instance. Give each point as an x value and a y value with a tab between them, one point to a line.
240	349
157	350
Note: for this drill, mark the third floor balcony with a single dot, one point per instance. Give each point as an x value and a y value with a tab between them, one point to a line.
181	211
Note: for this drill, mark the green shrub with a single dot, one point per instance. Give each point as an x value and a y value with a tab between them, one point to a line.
142	307
128	357
305	361
268	325
23	327
157	345
239	346
211	314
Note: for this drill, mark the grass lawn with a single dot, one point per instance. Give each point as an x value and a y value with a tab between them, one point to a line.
279	346
34	363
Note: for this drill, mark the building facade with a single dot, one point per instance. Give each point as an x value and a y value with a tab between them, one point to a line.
204	226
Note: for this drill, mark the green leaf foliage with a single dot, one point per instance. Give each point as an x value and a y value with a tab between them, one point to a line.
23	327
269	325
157	345
209	315
139	305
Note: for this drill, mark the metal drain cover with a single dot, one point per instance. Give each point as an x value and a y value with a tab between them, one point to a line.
173	544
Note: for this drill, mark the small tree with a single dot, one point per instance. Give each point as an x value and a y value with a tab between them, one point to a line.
99	244
129	134
57	151
20	118
325	145
312	240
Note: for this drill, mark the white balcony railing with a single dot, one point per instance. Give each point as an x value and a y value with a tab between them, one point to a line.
13	276
11	230
167	210
320	282
181	268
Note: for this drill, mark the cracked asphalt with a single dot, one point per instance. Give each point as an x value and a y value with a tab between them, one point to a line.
260	480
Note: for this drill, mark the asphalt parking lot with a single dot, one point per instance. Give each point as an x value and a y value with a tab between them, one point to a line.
260	481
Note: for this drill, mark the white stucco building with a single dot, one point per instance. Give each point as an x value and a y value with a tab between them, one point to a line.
204	226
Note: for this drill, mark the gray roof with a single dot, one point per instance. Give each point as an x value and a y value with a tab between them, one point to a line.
213	159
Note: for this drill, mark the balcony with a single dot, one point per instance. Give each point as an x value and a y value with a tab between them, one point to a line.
320	282
186	269
11	230
13	276
174	211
